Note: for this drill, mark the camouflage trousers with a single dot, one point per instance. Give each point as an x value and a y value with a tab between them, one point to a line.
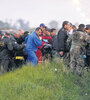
76	61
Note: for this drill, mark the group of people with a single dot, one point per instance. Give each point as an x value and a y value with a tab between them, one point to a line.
70	43
38	41
11	45
74	46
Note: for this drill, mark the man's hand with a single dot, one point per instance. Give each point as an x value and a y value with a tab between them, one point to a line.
61	53
40	37
25	45
67	54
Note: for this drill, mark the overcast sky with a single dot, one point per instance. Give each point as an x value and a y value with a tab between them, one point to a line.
43	11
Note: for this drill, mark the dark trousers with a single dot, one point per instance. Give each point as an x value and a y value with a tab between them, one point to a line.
88	61
54	54
11	65
4	64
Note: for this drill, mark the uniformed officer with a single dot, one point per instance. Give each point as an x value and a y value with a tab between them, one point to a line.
78	40
18	50
5	50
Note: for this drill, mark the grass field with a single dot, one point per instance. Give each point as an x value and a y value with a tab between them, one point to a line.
48	81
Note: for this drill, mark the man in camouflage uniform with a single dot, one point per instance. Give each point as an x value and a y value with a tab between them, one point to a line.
78	40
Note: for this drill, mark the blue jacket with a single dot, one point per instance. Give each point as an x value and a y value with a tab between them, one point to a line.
26	39
33	42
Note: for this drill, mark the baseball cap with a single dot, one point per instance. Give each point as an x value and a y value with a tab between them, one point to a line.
43	25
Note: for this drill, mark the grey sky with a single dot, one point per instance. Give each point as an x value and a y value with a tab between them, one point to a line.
43	11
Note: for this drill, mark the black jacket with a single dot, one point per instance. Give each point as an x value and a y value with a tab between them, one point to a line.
16	46
88	49
54	42
21	39
6	48
62	38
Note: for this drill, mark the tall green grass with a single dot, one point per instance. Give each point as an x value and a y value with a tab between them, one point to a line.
48	81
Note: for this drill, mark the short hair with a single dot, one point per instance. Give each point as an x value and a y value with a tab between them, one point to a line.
26	32
65	23
47	29
81	26
87	26
37	29
71	24
53	29
74	26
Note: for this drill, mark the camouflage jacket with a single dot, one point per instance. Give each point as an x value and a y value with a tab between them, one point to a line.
78	39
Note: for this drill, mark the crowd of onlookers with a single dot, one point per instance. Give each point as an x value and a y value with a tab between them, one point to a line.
70	43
